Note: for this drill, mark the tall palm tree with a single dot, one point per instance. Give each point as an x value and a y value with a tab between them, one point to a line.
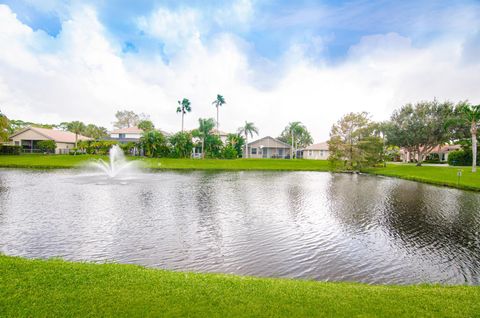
204	129
218	102
472	117
184	107
248	129
76	127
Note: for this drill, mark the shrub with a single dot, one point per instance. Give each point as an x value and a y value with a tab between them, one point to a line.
10	150
461	158
47	146
229	152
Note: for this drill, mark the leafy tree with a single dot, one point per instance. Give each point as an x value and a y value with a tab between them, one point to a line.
146	125
126	119
247	129
296	135
76	127
213	146
4	124
354	140
204	132
220	101
236	141
154	144
421	127
47	146
16	124
183	108
182	145
95	132
229	152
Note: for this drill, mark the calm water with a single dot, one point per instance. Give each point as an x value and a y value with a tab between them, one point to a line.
295	224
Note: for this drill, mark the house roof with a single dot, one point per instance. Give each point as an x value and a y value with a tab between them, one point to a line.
134	130
221	133
439	149
272	139
128	130
52	134
319	146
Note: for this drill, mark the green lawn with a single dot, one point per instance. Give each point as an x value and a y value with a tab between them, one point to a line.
69	161
56	288
445	176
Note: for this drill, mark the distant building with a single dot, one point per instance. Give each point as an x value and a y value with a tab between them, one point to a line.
129	134
223	135
440	151
125	135
29	137
268	147
316	151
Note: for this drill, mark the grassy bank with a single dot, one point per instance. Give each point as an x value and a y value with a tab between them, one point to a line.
58	288
444	176
68	161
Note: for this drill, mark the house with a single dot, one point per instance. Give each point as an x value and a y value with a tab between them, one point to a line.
129	134
440	152
125	135
316	151
268	147
223	135
29	137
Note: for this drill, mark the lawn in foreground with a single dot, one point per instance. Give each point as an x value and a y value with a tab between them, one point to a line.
445	176
58	288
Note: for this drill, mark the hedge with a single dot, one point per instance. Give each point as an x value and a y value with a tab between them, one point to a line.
10	150
461	158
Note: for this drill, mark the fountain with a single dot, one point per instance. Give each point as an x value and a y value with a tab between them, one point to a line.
117	165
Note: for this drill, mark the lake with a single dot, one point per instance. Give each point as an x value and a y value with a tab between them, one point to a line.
309	225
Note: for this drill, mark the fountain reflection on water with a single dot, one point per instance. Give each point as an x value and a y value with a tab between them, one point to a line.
117	166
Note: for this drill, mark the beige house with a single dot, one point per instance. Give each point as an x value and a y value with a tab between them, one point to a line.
441	151
127	134
268	147
316	151
29	137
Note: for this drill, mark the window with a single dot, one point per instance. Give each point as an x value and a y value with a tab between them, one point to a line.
121	136
321	153
254	151
17	143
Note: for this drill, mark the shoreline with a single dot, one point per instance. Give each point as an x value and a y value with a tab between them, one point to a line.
439	176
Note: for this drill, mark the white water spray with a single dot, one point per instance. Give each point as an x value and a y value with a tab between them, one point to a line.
117	163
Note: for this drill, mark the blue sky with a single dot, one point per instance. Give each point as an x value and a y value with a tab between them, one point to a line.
274	24
375	50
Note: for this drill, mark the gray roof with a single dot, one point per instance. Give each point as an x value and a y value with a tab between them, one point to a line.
281	143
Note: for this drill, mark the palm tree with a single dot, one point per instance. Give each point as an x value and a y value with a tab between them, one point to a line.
76	127
472	117
184	107
204	129
219	102
247	129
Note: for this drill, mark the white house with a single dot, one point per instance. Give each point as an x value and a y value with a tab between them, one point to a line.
124	135
316	151
29	137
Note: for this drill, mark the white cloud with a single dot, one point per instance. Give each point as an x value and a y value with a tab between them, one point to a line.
83	75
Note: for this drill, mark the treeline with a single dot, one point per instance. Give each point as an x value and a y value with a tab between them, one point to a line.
356	141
